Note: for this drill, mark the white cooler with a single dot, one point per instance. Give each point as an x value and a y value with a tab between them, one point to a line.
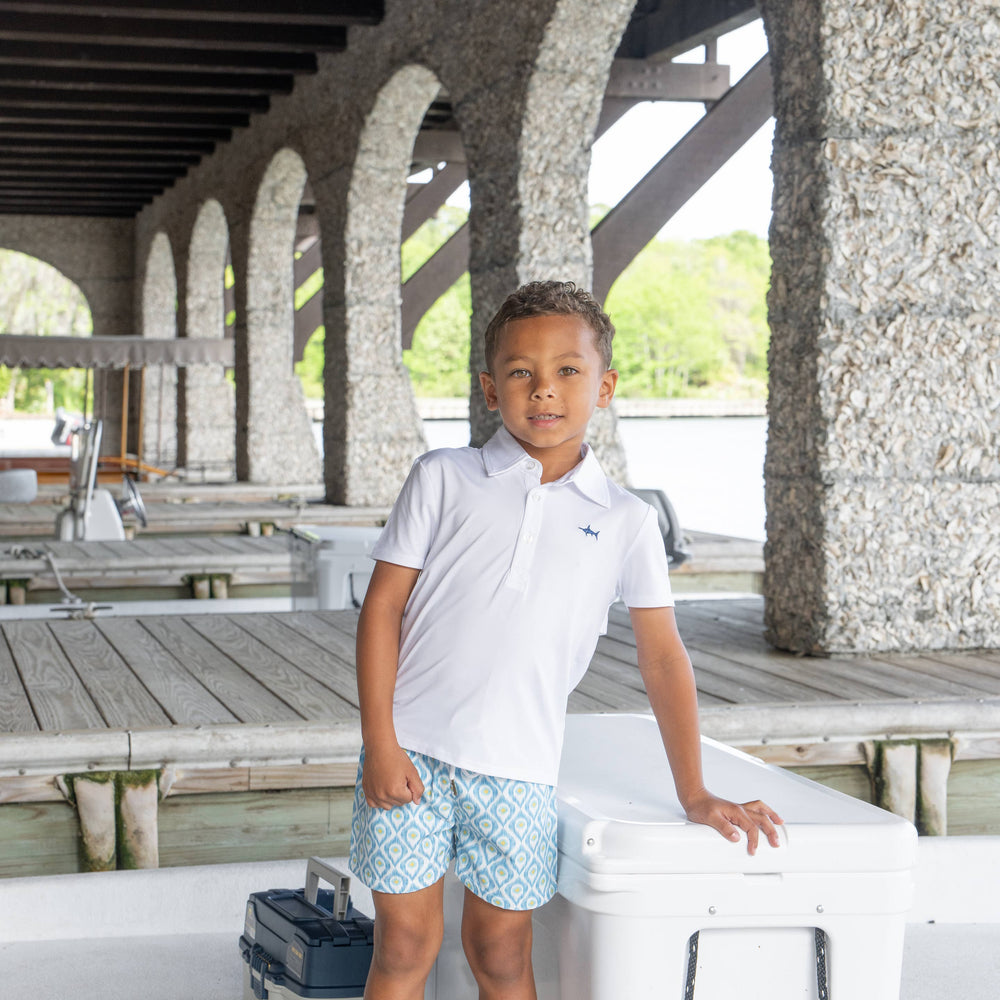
650	905
342	566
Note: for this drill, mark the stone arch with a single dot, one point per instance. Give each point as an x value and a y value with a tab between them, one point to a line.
269	449
22	270
30	314
158	445
205	401
372	430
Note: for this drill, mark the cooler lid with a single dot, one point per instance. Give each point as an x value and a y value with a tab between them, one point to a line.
618	811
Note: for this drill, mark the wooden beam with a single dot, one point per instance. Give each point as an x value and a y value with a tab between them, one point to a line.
193	120
112	134
438	145
106	79
649	80
179	32
676	26
314	12
643	212
425	286
139	101
101	55
423	203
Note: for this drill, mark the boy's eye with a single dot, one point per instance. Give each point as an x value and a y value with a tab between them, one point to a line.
520	373
568	370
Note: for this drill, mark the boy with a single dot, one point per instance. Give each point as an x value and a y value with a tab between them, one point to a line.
492	583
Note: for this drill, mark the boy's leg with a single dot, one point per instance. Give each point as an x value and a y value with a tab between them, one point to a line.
497	943
408	932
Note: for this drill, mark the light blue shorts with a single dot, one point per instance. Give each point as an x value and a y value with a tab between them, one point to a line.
500	832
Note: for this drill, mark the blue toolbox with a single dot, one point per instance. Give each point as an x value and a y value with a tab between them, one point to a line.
307	942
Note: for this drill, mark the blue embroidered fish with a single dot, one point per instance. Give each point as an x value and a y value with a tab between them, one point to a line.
590	531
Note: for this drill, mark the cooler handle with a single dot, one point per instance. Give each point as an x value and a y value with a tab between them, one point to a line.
317	869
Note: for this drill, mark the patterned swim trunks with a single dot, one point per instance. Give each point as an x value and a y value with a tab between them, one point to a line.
500	832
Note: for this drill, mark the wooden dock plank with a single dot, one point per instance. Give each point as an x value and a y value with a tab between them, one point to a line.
243	695
185	700
339	642
310	657
58	696
119	695
974	674
16	715
307	696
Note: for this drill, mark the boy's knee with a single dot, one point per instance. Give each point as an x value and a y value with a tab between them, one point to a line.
404	946
500	954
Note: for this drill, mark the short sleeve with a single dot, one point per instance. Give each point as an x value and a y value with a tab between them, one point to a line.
409	531
644	579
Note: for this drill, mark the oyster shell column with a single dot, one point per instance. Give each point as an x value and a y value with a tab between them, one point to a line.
883	463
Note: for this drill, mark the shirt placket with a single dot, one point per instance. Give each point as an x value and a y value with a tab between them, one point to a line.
531	526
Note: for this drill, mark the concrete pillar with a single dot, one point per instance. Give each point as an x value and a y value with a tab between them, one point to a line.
158	445
205	400
372	431
274	434
882	466
529	218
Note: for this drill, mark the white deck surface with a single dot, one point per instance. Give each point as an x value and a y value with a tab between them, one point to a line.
173	933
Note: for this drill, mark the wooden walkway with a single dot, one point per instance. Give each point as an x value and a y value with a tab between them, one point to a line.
147	562
293	674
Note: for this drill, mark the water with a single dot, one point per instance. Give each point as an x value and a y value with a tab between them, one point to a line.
712	468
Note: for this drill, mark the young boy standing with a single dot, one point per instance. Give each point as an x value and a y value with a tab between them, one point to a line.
492	584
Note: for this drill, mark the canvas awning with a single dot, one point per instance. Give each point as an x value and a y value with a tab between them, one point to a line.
17	351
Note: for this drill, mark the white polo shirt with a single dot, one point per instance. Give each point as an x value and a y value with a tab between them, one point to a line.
515	584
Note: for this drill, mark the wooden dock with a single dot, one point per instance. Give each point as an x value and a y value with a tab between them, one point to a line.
224	705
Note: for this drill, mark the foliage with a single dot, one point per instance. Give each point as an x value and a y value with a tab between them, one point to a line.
35	298
691	319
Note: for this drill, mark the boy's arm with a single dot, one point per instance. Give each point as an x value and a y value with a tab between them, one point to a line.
389	777
669	680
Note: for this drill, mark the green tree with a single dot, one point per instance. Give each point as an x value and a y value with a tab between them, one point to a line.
37	299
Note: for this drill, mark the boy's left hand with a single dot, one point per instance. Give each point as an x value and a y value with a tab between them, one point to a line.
729	818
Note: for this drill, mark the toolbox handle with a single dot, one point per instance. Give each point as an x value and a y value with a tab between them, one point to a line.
317	869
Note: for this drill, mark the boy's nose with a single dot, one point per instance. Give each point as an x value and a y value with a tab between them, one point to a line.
542	389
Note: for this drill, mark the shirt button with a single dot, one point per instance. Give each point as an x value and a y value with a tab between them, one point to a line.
530	465
529	538
536	497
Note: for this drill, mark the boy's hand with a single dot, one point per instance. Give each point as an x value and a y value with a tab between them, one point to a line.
389	778
729	818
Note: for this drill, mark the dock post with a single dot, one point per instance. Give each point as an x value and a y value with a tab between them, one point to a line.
893	768
138	834
94	797
933	768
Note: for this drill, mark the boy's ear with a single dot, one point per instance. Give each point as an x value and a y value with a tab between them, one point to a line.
489	391
606	391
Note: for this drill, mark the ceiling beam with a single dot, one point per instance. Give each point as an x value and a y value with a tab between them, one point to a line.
114	133
40	97
111	119
184	33
98	55
676	26
312	12
88	78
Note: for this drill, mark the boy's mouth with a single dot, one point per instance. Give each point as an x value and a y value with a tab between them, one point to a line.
545	418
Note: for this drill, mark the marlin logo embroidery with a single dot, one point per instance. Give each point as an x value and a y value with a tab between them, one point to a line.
590	531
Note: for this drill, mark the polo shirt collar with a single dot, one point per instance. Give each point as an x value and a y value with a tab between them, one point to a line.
502	453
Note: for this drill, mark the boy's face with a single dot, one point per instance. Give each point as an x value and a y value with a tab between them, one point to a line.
547	378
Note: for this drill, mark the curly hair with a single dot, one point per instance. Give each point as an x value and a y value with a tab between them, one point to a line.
551	298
